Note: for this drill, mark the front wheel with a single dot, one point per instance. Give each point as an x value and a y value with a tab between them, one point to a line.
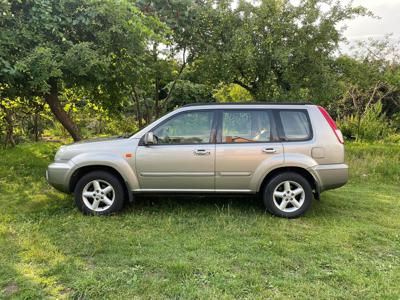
288	195
99	193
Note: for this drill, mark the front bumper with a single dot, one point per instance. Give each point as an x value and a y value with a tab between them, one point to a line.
58	175
331	176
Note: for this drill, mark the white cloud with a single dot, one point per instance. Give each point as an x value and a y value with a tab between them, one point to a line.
364	28
388	12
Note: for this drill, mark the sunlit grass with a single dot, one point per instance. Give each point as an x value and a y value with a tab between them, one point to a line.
347	246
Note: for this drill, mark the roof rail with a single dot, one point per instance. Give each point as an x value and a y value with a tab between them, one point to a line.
248	103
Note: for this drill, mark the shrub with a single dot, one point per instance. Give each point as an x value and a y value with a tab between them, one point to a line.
372	125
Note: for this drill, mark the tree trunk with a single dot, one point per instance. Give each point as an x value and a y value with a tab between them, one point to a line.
157	97
36	126
358	126
148	114
156	84
61	115
139	115
135	97
251	89
100	130
10	127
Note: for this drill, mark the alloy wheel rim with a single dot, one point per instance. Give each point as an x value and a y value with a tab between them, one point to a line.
289	196
98	195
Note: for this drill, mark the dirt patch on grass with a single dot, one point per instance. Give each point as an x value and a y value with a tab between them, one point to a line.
11	288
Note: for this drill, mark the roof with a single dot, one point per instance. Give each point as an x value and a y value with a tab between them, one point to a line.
249	103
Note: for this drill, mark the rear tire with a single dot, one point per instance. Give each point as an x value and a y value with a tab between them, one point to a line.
99	193
288	195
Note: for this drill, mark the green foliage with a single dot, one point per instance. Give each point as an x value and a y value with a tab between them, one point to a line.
186	92
274	49
370	75
136	60
71	43
395	120
84	60
78	42
39	65
232	93
373	125
94	119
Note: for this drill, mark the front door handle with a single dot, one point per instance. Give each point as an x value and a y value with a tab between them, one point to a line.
269	150
201	152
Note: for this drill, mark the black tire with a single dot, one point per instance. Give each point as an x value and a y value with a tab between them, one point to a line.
104	177
276	182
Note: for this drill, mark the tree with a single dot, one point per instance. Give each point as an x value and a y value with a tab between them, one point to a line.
169	58
272	48
47	45
367	78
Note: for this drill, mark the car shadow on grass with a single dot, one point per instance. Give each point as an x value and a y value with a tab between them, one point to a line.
330	205
195	202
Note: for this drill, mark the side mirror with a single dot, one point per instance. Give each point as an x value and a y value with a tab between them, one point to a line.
149	139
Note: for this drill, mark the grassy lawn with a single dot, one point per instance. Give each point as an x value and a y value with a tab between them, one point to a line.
347	246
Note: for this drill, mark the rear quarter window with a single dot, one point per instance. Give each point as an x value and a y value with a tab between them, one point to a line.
296	125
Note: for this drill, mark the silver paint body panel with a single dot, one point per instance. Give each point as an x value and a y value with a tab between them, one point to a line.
175	167
231	168
239	166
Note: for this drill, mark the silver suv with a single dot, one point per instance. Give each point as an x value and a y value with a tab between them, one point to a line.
286	153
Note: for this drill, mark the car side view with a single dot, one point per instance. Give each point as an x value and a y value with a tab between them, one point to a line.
286	153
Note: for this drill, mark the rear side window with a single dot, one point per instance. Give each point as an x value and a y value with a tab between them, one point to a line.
246	126
296	125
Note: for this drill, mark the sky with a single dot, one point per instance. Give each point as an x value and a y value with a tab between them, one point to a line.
363	28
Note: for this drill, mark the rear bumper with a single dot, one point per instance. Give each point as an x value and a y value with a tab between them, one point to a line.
58	175
331	176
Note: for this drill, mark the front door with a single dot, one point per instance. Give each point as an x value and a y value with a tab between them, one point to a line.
247	146
183	158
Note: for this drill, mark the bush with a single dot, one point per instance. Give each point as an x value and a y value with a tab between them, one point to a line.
373	125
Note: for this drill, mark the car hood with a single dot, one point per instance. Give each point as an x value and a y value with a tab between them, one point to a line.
96	140
111	145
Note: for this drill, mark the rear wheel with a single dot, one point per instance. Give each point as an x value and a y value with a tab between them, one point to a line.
99	193
288	195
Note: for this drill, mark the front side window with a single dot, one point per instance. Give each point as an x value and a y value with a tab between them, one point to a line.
296	125
186	128
246	126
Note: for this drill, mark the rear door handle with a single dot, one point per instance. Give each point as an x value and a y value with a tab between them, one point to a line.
201	152
269	150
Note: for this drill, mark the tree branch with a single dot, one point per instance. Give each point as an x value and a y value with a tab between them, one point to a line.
371	98
243	85
178	76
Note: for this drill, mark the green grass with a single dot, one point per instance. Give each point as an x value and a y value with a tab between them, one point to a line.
347	246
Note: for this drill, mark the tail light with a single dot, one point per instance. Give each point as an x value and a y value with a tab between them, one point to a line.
332	124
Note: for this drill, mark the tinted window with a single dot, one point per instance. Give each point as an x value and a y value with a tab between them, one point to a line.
186	128
295	125
246	126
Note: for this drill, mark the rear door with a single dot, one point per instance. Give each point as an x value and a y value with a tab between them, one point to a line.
296	133
247	146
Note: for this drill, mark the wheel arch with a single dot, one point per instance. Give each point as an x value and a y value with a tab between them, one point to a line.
299	170
81	171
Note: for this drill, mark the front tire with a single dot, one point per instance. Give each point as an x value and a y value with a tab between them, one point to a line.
288	195
99	193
